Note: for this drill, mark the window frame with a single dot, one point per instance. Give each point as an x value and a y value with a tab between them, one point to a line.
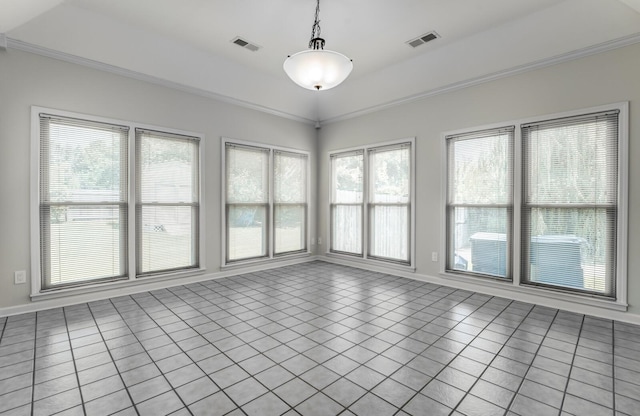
270	205
619	301
131	276
367	206
509	206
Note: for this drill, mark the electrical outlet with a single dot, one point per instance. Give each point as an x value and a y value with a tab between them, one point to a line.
434	256
319	241
20	277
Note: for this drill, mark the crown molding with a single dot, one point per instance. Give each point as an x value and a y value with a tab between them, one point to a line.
90	63
520	69
516	70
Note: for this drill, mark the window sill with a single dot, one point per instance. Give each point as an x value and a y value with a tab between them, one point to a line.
539	292
264	260
372	261
115	285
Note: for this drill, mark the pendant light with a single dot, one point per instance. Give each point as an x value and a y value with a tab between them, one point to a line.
317	68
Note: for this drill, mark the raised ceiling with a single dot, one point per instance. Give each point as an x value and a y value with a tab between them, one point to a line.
187	43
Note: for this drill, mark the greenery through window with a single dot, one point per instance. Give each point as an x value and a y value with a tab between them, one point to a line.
266	202
569	214
84	204
382	200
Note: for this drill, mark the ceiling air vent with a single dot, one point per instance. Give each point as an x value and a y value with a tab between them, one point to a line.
245	44
421	40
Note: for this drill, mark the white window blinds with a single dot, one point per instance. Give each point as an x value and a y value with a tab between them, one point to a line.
83	201
347	200
569	211
290	202
390	202
167	201
247	202
480	202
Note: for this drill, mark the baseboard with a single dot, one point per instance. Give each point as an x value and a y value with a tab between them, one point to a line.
147	286
507	292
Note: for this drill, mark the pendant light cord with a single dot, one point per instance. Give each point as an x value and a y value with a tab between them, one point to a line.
315	29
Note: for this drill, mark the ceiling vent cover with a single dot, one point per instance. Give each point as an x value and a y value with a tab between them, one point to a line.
243	43
422	39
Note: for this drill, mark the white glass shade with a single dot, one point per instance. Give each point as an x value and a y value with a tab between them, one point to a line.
318	69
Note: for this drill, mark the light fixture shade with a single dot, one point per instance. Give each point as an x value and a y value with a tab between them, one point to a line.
318	69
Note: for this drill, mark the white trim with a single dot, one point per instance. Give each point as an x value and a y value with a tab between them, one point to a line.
520	69
499	289
124	288
365	205
90	63
271	256
622	277
34	206
471	82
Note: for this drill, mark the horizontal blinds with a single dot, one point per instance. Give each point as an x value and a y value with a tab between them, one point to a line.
480	201
167	209
570	178
290	201
247	173
347	199
389	202
83	201
347	175
247	201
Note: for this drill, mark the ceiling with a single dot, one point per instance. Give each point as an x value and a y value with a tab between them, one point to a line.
187	43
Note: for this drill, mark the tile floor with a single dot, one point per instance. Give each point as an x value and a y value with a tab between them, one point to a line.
316	339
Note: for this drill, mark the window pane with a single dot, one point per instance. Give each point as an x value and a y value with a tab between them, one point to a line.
480	169
347	178
83	196
246	231
389	232
573	163
290	177
167	238
247	174
82	243
290	229
346	228
82	163
390	177
167	168
572	248
478	239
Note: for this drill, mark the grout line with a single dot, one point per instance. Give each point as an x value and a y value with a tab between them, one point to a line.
73	360
458	354
35	343
573	358
104	341
147	352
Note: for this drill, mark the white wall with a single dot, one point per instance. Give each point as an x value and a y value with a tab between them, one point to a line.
27	79
600	79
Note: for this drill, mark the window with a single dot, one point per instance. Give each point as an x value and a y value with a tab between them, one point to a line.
381	199
85	231
480	202
571	222
83	201
247	193
569	209
347	191
266	202
167	208
290	202
390	202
